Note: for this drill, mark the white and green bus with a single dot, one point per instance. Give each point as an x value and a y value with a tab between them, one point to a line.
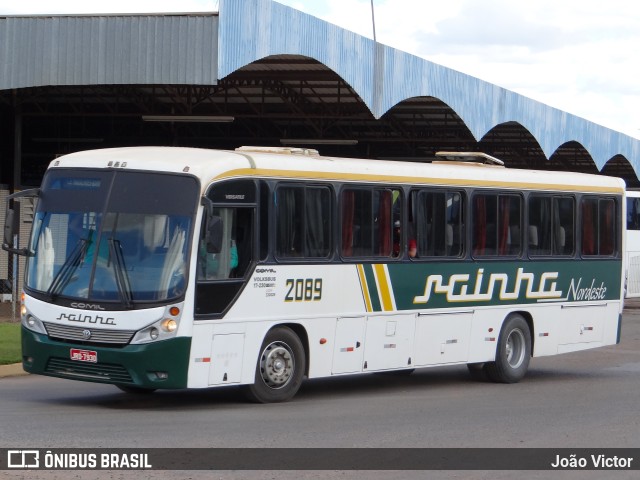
169	268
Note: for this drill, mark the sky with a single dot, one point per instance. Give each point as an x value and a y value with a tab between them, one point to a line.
581	56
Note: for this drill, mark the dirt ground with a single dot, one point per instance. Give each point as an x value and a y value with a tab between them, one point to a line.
6	314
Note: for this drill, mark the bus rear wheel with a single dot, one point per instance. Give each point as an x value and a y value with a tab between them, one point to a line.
513	352
280	368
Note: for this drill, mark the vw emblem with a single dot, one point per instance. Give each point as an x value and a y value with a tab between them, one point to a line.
86	334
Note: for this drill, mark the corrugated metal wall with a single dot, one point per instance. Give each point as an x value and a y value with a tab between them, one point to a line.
253	29
90	50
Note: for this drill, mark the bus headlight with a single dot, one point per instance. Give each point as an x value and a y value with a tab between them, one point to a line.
154	333
32	323
169	325
163	329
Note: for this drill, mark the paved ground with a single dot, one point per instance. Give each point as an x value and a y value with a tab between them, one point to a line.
584	399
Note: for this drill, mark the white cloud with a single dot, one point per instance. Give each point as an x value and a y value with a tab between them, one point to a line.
575	55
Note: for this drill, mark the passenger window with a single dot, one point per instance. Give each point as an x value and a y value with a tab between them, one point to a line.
368	218
551	225
303	221
497	225
598	226
439	223
234	254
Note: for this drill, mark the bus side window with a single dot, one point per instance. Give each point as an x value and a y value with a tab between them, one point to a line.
496	218
539	231
367	220
633	213
484	224
564	221
303	221
289	202
551	225
235	253
439	222
598	226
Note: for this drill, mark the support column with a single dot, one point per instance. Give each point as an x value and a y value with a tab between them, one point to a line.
17	149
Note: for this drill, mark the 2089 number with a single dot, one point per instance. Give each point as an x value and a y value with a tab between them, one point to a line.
303	290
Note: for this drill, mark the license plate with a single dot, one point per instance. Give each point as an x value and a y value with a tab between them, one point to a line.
84	355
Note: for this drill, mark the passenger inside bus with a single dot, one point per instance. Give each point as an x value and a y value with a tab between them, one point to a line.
209	263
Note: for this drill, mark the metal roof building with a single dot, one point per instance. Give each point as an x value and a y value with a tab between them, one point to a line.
262	73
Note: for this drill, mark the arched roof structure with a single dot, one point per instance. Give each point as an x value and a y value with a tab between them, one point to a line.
84	81
383	77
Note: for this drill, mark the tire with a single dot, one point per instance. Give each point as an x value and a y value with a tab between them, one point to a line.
135	390
513	352
280	368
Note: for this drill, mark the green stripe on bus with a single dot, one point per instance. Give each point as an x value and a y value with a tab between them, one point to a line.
373	288
445	284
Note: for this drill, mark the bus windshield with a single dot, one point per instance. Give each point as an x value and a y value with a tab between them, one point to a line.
114	236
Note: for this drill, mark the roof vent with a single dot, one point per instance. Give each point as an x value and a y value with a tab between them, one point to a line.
478	157
308	152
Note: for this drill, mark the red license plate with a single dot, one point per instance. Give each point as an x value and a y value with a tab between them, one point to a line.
84	355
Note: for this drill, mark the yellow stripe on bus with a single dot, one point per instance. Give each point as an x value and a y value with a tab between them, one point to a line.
365	287
387	179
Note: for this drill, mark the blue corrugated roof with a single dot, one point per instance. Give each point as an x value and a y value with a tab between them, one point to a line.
254	29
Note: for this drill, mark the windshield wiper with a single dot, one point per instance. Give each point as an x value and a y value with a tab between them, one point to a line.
122	279
68	268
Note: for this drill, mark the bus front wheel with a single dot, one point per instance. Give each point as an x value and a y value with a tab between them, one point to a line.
513	352
280	367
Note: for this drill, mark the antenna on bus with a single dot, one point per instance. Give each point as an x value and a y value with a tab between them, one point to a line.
309	152
471	157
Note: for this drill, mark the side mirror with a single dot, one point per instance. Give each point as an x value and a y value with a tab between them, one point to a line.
11	219
9	228
214	234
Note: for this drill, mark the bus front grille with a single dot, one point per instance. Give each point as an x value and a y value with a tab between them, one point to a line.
89	371
95	336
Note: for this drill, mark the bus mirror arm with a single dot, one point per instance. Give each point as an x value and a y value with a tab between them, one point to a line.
213	234
11	221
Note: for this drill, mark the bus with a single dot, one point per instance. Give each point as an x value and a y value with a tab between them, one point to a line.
169	268
632	245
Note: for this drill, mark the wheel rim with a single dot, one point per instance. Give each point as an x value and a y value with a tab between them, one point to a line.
277	364
515	348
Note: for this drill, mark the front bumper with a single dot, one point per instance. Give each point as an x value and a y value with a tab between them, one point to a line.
162	364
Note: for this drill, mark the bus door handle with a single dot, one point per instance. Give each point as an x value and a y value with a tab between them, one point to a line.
582	305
